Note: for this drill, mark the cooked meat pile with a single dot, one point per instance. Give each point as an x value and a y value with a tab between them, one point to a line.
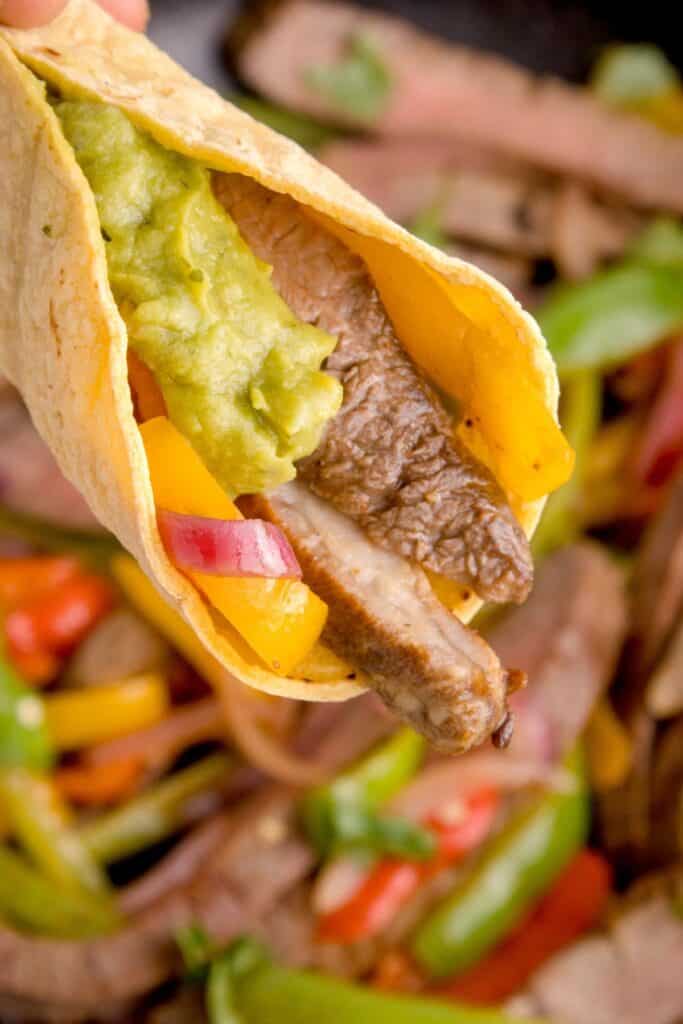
440	89
384	617
389	459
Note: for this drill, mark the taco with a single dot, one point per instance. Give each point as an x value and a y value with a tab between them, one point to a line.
207	325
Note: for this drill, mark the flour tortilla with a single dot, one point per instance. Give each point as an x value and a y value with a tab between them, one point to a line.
63	343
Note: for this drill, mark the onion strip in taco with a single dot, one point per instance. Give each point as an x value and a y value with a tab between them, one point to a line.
206	323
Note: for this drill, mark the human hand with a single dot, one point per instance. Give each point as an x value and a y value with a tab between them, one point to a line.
31	13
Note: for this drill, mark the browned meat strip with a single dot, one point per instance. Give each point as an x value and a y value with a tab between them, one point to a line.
439	88
480	198
631	975
584	233
30	480
389	458
429	668
567	638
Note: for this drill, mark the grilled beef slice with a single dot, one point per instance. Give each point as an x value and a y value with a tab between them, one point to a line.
425	664
631	975
567	638
389	459
439	89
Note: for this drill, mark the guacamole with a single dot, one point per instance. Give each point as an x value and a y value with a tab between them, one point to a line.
240	374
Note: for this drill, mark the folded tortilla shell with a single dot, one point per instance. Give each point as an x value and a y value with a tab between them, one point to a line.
63	342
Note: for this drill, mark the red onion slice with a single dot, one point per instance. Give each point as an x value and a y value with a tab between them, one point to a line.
227	547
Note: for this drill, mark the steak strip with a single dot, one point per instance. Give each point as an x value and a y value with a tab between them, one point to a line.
389	459
440	89
425	664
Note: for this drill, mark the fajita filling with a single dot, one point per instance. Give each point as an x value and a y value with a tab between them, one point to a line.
260	339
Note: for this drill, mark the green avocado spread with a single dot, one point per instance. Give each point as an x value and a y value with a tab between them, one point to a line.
240	374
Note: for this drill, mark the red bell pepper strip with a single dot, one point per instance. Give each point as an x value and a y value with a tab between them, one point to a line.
573	905
97	785
660	451
53	623
392	882
22	579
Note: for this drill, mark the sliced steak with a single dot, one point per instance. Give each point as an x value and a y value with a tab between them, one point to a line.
440	89
428	668
389	459
479	200
31	482
631	976
567	638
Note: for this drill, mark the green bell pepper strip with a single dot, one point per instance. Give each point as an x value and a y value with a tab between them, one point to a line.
342	813
613	316
660	243
31	901
628	75
93	547
515	869
261	992
28	803
154	815
580	414
24	738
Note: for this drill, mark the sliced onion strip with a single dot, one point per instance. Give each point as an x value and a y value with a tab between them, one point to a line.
227	547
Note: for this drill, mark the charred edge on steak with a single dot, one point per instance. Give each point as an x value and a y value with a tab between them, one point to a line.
389	459
384	617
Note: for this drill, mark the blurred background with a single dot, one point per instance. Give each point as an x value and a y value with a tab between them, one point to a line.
142	778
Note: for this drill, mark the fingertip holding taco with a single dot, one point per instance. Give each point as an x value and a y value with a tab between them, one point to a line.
240	362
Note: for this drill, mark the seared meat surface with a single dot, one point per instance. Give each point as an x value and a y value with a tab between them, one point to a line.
389	459
444	90
425	664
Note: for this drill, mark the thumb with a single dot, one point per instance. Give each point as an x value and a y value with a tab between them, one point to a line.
29	13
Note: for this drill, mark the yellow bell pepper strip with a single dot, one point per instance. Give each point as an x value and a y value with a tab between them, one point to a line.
609	749
31	901
154	815
281	619
321	665
80	718
39	821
